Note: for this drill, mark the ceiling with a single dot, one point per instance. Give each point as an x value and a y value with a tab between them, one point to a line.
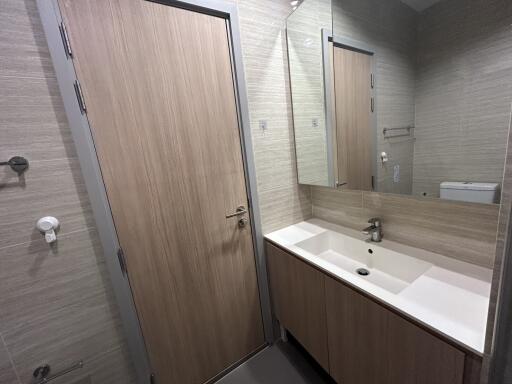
420	5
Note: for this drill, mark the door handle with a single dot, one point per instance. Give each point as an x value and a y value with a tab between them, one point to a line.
239	212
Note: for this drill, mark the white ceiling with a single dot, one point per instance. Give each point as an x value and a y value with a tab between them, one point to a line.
420	5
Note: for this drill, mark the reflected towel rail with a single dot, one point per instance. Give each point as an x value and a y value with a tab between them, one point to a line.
408	129
74	367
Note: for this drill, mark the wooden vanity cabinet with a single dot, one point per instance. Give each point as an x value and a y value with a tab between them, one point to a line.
297	292
356	339
369	344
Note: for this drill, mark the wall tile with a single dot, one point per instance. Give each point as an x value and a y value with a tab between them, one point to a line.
282	201
36	279
7	373
463	231
56	302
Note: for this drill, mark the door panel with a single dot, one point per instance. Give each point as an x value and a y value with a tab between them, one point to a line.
368	344
357	331
161	104
298	298
352	74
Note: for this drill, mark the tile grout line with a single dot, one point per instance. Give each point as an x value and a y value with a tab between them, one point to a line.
85	229
13	366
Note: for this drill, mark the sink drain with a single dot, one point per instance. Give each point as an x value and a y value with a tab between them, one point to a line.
362	271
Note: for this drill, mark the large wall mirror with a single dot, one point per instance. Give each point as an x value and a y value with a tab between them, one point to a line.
402	96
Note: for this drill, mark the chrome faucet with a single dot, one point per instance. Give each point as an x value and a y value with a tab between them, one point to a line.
374	230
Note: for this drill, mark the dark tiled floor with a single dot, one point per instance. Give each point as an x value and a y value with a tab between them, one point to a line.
281	363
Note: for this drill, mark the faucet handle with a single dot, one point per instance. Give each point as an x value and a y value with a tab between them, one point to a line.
375	221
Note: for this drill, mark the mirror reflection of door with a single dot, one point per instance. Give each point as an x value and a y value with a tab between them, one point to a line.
354	131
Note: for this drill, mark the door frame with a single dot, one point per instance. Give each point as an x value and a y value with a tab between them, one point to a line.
51	19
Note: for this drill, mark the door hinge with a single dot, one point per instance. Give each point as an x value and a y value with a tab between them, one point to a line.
80	97
152	379
65	40
122	261
373	104
372	80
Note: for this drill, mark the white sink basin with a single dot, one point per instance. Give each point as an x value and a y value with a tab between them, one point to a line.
387	269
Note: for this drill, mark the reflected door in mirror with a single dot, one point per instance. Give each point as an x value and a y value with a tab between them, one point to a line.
354	131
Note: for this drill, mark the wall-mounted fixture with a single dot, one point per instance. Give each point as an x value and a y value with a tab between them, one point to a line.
384	157
48	225
385	131
17	163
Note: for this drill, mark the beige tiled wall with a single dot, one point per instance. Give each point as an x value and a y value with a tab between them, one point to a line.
505	211
463	231
463	93
389	28
304	31
282	200
55	302
460	230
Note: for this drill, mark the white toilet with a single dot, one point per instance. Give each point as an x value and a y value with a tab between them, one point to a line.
488	193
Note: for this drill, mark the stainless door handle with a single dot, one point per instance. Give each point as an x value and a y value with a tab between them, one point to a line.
338	184
239	211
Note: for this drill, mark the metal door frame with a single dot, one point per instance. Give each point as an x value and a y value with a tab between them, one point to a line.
66	76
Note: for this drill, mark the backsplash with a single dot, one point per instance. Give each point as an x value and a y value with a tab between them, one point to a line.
463	231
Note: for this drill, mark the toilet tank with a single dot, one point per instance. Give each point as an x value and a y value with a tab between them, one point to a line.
471	192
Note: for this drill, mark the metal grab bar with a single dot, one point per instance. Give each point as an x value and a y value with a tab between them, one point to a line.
74	367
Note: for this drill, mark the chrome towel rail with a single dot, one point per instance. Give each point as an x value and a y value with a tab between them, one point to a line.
408	129
45	370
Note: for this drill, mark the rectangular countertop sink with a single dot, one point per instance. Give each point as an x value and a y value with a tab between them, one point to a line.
449	296
387	269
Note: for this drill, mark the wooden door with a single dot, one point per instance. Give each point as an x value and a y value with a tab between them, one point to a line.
298	299
354	135
368	344
158	86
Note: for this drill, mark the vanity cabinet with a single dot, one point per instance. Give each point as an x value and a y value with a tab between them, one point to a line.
355	338
368	344
297	292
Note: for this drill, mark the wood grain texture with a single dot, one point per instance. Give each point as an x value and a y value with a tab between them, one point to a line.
166	133
307	88
282	201
55	302
463	93
298	299
352	71
370	344
416	357
389	27
7	373
472	369
357	335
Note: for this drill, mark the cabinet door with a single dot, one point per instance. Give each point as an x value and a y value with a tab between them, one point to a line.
417	357
368	344
357	336
298	298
